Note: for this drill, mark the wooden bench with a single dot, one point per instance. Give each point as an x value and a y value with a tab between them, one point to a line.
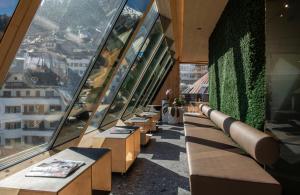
93	176
226	158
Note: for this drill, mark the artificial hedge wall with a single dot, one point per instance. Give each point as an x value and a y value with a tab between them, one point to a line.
237	62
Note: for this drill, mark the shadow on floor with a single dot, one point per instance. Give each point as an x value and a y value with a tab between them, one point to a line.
163	150
170	134
147	177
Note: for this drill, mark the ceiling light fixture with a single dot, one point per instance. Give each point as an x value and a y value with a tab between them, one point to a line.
286	5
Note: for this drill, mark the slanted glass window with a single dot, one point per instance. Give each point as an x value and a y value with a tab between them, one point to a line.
7	9
62	33
155	64
103	68
151	82
158	84
124	67
134	75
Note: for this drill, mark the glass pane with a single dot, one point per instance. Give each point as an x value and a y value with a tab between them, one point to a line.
153	66
154	78
48	68
158	84
283	88
127	61
134	74
104	66
151	90
7	9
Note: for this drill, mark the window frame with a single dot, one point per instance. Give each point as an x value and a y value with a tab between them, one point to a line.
159	82
101	125
160	58
151	83
141	77
85	129
15	33
83	81
36	150
145	64
10	20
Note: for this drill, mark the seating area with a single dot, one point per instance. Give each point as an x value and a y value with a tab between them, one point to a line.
186	97
229	156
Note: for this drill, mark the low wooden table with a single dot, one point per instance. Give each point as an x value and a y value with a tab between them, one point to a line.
125	147
145	125
95	175
154	117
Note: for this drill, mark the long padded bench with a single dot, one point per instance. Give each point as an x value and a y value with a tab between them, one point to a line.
225	156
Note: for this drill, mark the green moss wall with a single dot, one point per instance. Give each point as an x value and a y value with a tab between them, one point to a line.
237	62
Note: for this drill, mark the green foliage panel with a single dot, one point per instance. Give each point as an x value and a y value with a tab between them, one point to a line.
237	62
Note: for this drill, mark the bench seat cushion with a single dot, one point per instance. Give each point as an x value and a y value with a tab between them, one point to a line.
218	166
195	120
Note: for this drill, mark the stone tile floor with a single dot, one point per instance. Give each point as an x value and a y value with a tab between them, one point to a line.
161	167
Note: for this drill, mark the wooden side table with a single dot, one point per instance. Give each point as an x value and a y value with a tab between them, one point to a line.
95	175
144	123
145	126
125	147
154	117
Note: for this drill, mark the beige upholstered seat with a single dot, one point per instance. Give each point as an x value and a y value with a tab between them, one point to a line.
217	165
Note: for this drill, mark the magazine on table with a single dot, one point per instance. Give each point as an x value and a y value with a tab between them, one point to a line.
120	130
55	168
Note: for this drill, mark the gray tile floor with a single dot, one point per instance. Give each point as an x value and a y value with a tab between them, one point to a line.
161	167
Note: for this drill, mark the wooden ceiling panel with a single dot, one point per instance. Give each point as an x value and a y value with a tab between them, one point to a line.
200	18
192	22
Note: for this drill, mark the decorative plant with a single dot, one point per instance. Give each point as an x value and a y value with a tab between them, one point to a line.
178	102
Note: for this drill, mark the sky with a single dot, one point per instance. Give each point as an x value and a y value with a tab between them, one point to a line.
136	4
8	6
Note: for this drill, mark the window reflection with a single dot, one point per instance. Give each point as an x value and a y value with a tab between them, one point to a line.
127	61
134	74
47	70
153	66
7	8
156	75
101	73
283	86
158	83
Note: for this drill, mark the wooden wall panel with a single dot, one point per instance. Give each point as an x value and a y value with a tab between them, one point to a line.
172	82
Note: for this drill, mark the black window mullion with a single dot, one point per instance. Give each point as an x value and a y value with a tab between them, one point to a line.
142	75
152	84
127	72
150	76
86	75
159	83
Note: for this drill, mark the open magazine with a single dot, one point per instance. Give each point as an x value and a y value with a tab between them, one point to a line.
55	168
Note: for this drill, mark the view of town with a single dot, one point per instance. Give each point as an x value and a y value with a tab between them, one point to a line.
48	68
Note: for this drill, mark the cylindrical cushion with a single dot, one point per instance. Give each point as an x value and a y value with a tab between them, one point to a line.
262	147
259	145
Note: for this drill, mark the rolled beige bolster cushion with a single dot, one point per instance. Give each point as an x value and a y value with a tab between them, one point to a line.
217	117
262	147
200	107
